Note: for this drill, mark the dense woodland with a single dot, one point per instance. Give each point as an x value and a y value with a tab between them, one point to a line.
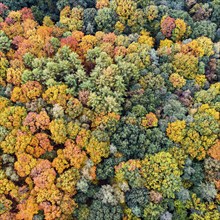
109	110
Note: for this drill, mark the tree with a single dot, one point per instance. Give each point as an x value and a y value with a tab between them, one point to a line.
159	171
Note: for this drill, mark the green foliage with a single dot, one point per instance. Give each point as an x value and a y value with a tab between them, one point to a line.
204	28
47	69
153	211
130	140
5	42
206	191
105	170
109	109
174	110
99	211
156	141
106	19
3	133
193	172
136	200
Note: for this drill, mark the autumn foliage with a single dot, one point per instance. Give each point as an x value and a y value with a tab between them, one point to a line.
109	110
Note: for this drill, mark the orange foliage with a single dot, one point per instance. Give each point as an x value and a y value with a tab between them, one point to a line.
32	89
214	151
74	154
43	174
24	164
103	119
27	209
167	26
82	138
28	91
37	121
51	212
150	120
102	3
88	42
40	146
69	41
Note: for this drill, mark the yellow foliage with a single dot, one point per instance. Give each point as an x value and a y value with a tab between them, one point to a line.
15	15
82	138
17	95
206	210
200	80
12	117
166	43
186	65
125	8
8	144
22	141
14	76
73	19
3	67
4	102
180	29
103	119
179	154
67	206
177	80
119	27
176	131
193	145
31	90
57	128
7	204
211	111
7	187
202	133
72	130
129	215
193	48
97	150
206	45
152	12
159	170
47	21
68	180
51	194
88	42
146	39
60	163
56	95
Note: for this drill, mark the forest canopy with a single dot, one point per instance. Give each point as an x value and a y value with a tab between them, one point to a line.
109	110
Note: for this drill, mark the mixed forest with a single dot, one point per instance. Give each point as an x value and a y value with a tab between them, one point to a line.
109	110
